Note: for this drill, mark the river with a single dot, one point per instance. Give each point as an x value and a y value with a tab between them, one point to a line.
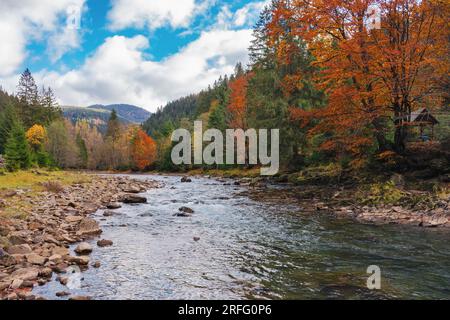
254	250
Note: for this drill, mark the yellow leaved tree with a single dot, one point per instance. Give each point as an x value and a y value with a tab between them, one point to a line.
36	136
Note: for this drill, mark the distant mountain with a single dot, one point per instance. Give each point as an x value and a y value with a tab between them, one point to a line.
132	114
98	115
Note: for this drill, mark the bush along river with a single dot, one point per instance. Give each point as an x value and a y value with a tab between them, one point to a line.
207	239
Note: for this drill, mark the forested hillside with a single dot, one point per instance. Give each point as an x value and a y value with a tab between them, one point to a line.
130	113
342	94
34	133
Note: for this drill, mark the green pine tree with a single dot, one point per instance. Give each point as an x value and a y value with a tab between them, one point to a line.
17	150
7	118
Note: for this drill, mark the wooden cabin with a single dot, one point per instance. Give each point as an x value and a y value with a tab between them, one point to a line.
423	119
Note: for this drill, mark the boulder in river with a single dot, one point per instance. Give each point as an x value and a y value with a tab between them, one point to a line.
104	243
62	294
83	248
184	212
186	179
113	205
108	213
132	198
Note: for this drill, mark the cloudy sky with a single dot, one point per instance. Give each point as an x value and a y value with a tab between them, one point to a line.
142	52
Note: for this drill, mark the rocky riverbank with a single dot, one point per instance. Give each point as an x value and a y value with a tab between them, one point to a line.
383	203
35	247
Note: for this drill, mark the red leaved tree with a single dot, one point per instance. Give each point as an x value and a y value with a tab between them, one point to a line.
143	150
237	105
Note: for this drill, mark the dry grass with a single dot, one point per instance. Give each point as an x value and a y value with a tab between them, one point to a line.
53	186
38	181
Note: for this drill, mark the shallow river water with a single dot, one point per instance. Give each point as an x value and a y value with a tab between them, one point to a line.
253	250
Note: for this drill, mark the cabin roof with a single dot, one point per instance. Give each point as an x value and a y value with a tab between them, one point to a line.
423	115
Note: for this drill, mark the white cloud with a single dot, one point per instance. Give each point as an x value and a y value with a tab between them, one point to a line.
246	16
153	14
119	72
25	20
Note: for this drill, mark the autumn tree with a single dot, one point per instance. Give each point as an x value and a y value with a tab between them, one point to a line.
36	136
372	76
237	105
61	144
143	150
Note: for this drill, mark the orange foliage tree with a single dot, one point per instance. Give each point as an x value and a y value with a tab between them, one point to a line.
372	76
143	150
237	105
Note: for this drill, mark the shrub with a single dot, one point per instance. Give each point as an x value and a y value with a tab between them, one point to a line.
53	186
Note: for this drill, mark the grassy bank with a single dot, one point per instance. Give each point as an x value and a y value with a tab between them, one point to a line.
35	180
18	189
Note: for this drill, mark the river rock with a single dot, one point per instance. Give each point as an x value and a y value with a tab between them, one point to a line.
131	198
56	258
6	259
60	267
16	284
131	189
104	243
26	274
4	285
83	248
196	239
186	180
81	260
96	264
34	258
89	226
61	251
108	213
46	273
15	240
80	298
62	294
435	221
20	249
184	212
63	280
114	205
73	219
